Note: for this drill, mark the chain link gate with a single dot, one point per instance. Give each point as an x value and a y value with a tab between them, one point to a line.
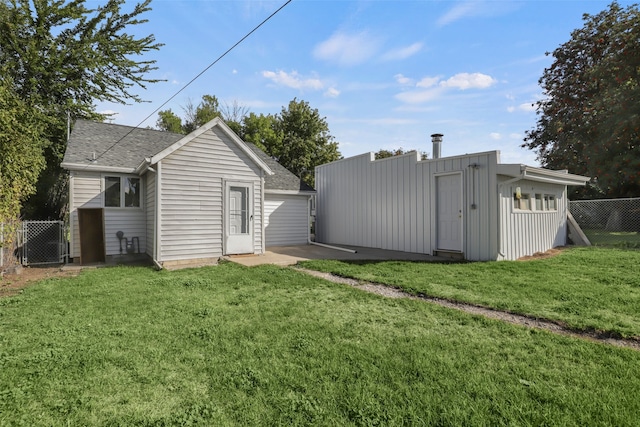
609	221
43	242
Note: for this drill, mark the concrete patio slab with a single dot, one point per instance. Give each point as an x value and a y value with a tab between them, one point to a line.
290	255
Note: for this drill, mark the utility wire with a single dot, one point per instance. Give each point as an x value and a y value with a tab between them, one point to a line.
195	78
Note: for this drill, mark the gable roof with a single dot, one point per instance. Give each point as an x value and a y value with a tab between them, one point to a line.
216	122
116	148
131	150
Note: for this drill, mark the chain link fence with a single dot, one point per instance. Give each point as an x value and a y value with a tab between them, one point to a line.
43	242
33	243
611	222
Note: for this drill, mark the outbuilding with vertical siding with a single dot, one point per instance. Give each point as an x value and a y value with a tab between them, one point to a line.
469	206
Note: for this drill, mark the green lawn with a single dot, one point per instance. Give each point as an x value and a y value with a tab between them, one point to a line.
586	288
230	345
622	239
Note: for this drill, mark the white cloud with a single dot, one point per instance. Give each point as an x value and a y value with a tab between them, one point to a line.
234	71
332	92
293	80
465	81
429	88
402	53
515	136
347	49
428	82
403	80
474	8
420	96
527	107
175	82
459	11
495	136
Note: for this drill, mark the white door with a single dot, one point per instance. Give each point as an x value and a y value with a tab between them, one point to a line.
238	219
449	205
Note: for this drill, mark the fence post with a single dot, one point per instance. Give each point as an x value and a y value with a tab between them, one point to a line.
1	245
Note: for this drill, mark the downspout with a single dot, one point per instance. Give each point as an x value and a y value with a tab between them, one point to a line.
157	219
510	181
263	237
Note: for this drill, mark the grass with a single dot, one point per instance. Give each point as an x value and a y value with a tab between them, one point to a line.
586	288
231	345
622	239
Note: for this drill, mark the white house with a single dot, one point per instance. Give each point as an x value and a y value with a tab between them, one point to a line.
468	206
178	199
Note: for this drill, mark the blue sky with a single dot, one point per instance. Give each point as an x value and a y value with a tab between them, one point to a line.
385	74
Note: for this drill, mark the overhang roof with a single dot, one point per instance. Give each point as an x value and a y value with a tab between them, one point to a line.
561	177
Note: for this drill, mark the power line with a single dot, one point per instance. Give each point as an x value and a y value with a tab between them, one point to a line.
195	78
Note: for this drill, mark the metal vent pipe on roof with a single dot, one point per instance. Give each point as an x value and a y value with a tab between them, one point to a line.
436	140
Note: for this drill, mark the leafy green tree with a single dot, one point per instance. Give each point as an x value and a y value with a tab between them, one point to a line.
21	147
306	141
195	116
589	121
263	131
207	110
63	57
168	121
383	154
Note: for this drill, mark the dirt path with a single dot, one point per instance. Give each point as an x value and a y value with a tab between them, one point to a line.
12	284
516	319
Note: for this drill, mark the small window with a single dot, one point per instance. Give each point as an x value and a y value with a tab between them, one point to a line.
539	202
112	191
522	202
132	192
549	202
121	192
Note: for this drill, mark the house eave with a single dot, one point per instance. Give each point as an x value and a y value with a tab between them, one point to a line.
541	175
291	192
97	168
202	129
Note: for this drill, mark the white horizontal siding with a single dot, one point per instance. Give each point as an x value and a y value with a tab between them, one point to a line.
85	192
286	219
192	190
132	222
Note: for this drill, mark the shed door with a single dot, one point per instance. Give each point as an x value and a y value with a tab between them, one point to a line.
238	219
91	227
449	215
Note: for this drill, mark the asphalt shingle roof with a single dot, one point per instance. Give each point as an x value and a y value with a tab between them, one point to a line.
133	145
282	178
88	137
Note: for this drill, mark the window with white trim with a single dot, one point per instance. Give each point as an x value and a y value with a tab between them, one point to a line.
121	192
537	202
